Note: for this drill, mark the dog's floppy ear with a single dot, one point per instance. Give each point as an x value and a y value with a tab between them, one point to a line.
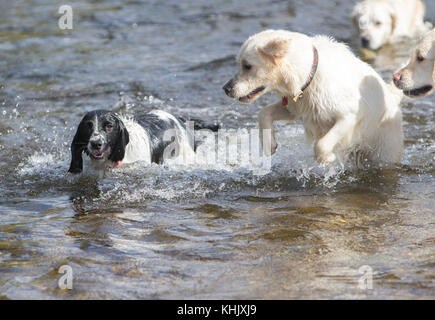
274	49
357	12
79	143
121	142
355	20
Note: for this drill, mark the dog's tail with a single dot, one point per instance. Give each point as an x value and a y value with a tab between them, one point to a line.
199	124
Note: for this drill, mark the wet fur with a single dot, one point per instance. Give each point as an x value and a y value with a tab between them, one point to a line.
417	78
347	108
145	137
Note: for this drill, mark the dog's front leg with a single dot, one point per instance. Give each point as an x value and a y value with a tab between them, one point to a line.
342	130
266	118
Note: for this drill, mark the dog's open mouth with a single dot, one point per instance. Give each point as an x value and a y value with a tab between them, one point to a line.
419	92
252	95
96	155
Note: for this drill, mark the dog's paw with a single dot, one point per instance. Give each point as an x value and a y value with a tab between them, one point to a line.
268	144
269	148
326	158
323	156
273	148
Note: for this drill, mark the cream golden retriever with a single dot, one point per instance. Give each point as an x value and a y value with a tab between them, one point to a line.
382	21
417	79
345	106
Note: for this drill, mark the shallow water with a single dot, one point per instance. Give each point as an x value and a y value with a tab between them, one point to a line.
220	231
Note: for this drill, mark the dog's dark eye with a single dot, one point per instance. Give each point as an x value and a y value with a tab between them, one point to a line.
420	58
247	67
108	127
378	23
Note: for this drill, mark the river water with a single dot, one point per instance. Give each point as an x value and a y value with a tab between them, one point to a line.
193	232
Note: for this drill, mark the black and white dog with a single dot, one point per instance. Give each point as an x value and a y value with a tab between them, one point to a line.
109	139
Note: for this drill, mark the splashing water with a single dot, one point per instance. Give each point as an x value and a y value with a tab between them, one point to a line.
208	230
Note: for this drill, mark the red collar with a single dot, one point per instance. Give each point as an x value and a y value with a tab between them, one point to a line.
308	82
117	164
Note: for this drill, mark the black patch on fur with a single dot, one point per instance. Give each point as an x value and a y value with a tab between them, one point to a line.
156	127
122	138
79	144
198	124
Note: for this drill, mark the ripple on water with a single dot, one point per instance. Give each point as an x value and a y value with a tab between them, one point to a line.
193	231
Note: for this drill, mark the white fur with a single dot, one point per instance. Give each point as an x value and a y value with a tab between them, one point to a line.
384	21
138	149
347	108
417	74
96	134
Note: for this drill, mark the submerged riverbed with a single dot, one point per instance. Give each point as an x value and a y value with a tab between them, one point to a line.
193	232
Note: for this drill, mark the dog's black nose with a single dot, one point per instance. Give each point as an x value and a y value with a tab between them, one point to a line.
228	87
365	41
96	144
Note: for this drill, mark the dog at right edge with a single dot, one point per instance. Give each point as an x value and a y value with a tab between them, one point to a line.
417	78
345	106
386	21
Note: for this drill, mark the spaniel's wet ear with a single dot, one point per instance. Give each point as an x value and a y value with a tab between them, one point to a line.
275	49
121	142
79	144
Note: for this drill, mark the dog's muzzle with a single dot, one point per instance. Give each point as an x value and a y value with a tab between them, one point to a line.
253	94
96	144
228	88
365	42
97	149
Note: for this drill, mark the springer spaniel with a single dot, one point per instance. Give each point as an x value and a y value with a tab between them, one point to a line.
110	139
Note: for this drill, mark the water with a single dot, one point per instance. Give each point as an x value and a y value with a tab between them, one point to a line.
202	232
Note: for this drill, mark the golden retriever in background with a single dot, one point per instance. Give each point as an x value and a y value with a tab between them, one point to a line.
384	21
417	79
345	106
